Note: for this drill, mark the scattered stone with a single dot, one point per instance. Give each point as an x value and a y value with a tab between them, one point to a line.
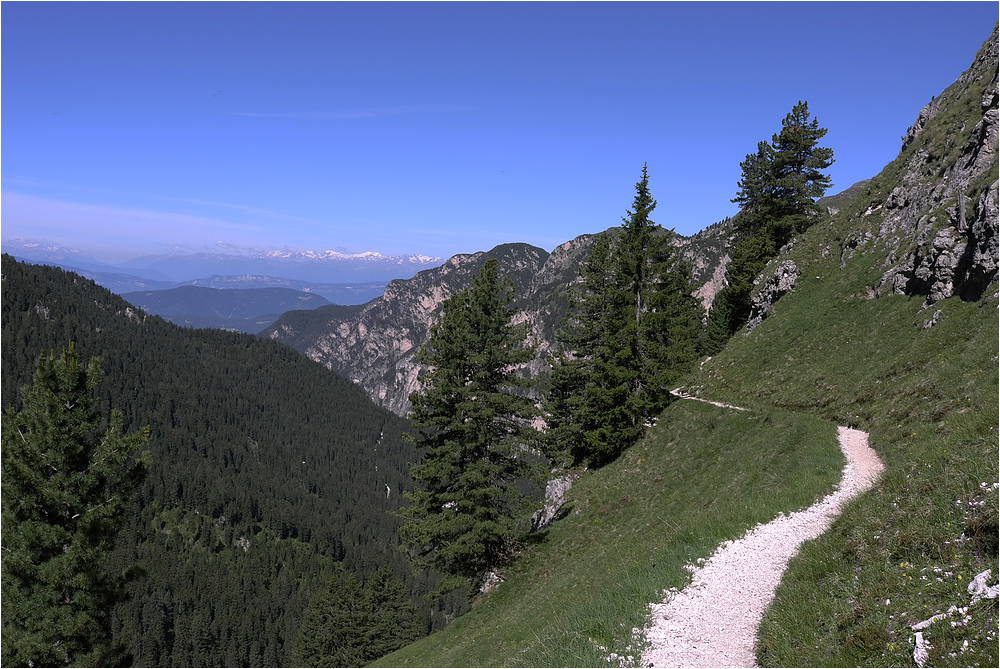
924	624
920	649
933	320
979	590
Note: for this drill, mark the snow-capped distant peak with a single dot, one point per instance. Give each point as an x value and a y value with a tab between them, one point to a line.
339	255
327	266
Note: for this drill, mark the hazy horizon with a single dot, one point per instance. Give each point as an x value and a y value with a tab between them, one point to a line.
435	129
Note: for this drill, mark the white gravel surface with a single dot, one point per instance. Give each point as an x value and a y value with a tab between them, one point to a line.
713	621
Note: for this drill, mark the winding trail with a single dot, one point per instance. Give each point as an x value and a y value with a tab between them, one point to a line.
713	621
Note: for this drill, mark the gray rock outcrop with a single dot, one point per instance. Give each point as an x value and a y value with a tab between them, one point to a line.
939	223
375	344
555	499
780	282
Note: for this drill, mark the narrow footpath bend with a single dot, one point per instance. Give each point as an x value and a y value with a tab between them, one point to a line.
713	621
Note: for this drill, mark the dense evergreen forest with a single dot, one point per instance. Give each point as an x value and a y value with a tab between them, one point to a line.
269	473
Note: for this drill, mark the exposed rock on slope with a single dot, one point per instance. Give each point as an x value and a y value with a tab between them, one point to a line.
707	252
939	220
931	215
779	283
375	344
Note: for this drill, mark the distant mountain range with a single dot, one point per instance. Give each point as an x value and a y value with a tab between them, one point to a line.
247	310
312	266
318	267
339	277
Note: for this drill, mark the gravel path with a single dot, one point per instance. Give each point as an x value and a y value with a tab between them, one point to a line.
713	621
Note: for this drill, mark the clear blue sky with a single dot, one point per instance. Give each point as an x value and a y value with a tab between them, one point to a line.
435	128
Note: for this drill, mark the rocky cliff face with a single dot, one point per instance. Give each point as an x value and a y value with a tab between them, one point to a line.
935	212
707	252
770	289
931	215
375	344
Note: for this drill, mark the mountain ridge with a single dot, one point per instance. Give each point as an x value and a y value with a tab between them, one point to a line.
327	266
375	345
246	310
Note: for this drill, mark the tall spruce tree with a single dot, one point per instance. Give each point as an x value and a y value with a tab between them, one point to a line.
779	186
67	475
633	328
584	341
473	423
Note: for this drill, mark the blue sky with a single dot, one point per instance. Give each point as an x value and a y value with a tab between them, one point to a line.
432	128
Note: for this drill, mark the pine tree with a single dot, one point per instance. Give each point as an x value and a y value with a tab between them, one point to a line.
673	329
778	189
633	327
473	423
756	196
67	477
796	166
782	180
639	254
731	306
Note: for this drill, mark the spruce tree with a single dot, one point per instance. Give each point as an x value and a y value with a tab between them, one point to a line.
796	164
585	340
756	196
633	328
472	423
67	477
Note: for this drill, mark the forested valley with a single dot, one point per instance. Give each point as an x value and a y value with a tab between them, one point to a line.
270	476
267	529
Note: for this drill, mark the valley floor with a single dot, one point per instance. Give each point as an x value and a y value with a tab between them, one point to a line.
713	621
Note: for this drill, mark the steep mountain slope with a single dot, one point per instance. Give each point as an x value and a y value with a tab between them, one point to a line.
268	470
892	327
375	344
913	362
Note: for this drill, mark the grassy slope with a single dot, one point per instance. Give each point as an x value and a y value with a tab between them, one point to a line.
826	355
929	399
584	583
